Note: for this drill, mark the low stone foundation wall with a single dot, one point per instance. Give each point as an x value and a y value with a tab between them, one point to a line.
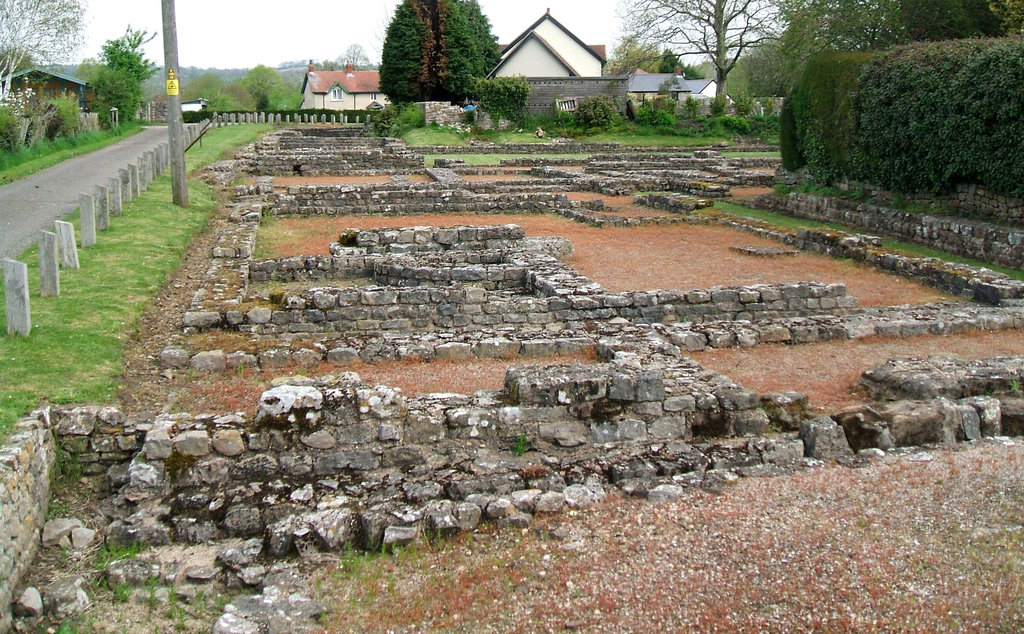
324	151
26	461
969	238
979	284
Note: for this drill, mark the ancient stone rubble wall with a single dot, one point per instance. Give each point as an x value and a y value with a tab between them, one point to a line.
332	463
979	284
26	460
324	151
987	242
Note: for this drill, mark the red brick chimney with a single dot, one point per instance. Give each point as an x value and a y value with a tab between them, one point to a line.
348	66
311	66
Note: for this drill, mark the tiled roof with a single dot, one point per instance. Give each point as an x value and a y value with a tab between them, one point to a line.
357	81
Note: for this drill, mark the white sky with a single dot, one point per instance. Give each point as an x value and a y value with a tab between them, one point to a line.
235	34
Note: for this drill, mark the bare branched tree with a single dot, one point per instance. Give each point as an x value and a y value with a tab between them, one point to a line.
45	31
722	30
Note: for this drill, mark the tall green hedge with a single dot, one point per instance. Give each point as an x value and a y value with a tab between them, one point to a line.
932	115
504	97
916	118
820	134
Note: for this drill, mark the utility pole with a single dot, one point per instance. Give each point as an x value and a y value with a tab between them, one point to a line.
175	129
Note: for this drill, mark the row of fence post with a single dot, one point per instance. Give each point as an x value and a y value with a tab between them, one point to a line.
58	249
235	118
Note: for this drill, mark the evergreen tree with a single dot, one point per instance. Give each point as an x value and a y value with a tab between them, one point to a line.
436	50
402	55
486	42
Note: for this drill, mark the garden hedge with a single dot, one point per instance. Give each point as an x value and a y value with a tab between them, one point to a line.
917	118
822	113
932	115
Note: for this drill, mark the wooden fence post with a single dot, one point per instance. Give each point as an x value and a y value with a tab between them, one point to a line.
49	267
126	185
87	215
102	208
68	247
114	186
133	174
19	315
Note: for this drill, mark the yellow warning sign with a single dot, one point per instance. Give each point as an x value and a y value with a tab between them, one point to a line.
172	87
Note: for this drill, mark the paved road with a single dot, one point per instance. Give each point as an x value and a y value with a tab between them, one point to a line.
33	203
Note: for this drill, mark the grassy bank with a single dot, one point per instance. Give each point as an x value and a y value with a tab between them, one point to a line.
17	165
74	352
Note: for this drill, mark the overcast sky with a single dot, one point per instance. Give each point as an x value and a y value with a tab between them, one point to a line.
235	34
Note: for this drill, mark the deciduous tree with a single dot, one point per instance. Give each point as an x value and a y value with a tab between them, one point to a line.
119	80
45	31
720	29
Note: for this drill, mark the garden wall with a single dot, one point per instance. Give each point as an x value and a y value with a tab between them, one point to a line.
26	461
545	90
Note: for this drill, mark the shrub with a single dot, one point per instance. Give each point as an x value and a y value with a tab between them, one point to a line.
504	97
596	112
10	130
396	120
737	125
655	117
718	105
792	159
65	118
929	116
744	105
691	108
822	109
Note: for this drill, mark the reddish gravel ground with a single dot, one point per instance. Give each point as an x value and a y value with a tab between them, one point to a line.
926	542
634	258
828	372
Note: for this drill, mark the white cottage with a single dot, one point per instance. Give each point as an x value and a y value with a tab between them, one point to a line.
548	49
347	89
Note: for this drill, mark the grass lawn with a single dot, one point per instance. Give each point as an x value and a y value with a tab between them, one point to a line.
433	135
74	352
654	140
18	165
906	248
495	159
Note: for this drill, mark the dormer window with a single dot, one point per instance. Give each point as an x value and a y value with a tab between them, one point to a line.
337	94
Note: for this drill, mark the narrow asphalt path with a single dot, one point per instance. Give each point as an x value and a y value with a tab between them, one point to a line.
31	204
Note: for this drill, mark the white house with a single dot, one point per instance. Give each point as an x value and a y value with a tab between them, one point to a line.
644	84
548	49
347	89
193	106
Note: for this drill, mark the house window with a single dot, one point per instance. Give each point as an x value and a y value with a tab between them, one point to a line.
373	96
337	94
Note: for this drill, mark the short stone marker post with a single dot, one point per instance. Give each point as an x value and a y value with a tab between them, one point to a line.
19	315
133	174
68	247
126	185
49	264
87	215
151	166
102	208
114	191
